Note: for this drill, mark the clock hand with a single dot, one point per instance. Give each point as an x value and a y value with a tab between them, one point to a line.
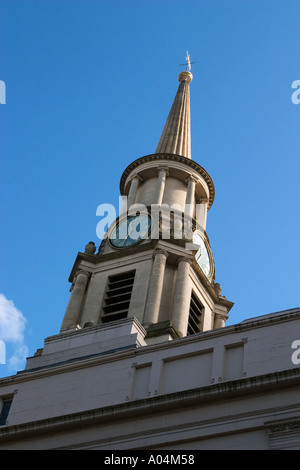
131	229
125	239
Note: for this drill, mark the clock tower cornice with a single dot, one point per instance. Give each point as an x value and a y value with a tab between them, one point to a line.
181	166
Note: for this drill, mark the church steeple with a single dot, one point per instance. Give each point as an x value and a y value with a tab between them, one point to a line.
176	136
164	278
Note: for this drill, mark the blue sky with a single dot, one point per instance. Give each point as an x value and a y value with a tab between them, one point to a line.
89	85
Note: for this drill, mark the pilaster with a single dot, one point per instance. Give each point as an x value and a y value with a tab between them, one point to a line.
71	317
155	287
182	295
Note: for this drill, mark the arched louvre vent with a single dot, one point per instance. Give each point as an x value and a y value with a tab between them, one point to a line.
195	316
118	295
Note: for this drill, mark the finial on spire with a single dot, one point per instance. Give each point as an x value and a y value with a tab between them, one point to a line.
188	62
186	76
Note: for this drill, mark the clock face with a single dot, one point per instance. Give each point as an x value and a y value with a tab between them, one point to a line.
130	231
203	255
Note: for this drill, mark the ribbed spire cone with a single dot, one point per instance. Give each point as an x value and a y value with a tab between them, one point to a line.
176	136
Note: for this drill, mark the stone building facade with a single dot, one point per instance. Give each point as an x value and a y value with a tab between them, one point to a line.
143	359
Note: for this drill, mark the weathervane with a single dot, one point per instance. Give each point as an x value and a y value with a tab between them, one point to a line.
188	62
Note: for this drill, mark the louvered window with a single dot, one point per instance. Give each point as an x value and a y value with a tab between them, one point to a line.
118	296
196	310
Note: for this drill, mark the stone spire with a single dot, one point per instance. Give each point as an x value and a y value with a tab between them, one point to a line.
176	135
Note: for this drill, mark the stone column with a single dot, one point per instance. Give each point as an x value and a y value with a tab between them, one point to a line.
182	297
133	190
160	187
92	305
201	214
71	317
190	196
219	321
155	287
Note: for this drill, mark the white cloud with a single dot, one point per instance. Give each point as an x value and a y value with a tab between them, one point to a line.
12	328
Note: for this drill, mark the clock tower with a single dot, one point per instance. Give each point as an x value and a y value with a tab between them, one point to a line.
155	262
141	360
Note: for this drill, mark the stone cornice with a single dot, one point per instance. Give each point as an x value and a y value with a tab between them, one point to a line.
100	258
188	398
266	320
170	157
